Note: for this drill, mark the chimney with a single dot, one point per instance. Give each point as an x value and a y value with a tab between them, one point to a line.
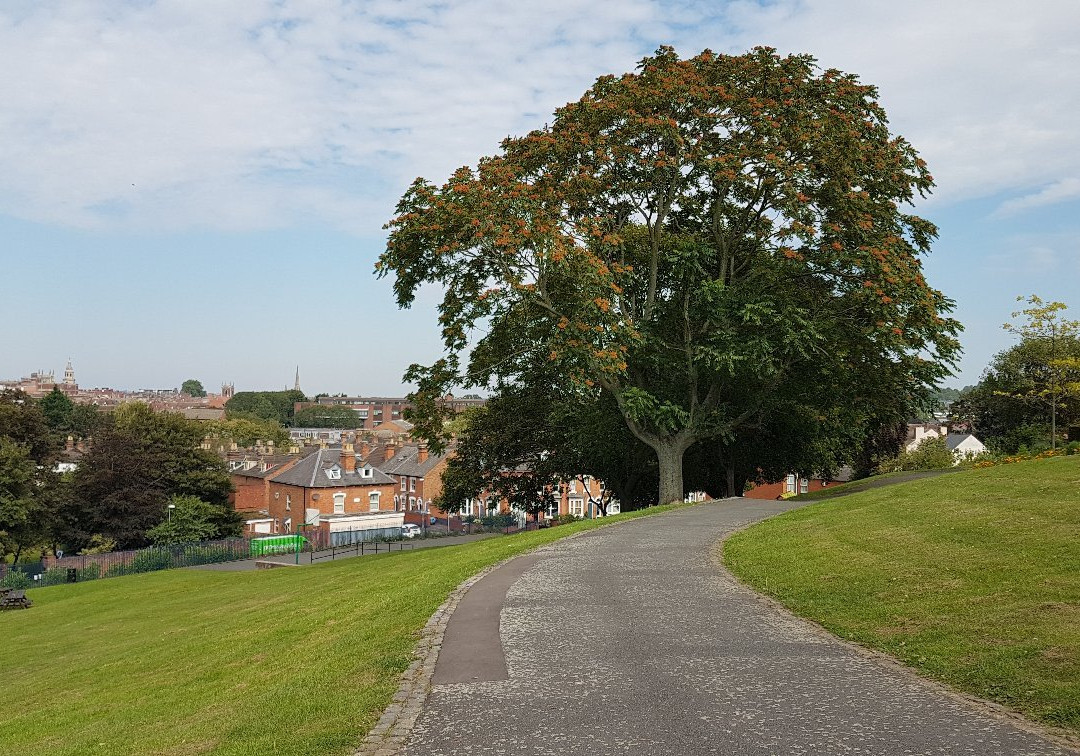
421	454
348	458
69	445
294	449
365	448
391	450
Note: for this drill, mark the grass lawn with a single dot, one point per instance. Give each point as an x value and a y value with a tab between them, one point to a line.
973	578
285	661
875	481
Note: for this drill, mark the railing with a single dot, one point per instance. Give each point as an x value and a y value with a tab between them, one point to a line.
360	548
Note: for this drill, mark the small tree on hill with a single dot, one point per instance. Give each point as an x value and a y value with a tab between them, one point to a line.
1054	360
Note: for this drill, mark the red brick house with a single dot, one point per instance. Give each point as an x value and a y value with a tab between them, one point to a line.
326	490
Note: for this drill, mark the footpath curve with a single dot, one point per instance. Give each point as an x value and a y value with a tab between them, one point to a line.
632	640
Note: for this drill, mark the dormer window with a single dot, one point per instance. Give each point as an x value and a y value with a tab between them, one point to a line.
366	471
334	473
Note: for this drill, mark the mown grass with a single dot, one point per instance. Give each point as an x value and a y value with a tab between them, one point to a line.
973	578
875	481
284	661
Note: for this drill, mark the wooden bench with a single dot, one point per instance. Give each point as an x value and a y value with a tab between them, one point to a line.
12	599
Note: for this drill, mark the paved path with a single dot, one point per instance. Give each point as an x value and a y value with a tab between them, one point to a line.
631	640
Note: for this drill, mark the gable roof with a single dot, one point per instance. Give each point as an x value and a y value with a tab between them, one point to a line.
407	462
953	440
310	472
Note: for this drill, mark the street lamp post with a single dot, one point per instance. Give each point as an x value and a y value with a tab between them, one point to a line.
171	508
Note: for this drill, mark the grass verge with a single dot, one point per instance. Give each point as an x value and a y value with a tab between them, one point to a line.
972	578
284	661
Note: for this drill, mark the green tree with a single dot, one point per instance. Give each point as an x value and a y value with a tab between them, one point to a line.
326	416
23	422
189	519
245	431
1009	408
59	411
27	453
193	388
1054	370
264	405
689	239
139	459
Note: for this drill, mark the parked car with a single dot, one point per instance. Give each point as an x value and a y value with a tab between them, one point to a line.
409	530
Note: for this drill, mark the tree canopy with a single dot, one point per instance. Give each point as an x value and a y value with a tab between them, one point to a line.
693	239
193	388
264	405
326	416
139	459
1030	391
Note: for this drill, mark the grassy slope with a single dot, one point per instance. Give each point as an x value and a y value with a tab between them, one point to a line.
973	578
284	661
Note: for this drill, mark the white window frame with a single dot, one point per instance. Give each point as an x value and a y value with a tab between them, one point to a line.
404	483
804	485
789	484
576	506
373	501
288	502
412	485
553	508
339	503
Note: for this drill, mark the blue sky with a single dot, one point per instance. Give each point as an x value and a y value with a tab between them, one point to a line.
190	188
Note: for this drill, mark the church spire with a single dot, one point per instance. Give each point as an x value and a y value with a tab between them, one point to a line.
296	385
69	374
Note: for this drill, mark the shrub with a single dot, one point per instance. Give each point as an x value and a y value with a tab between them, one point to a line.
16	579
930	454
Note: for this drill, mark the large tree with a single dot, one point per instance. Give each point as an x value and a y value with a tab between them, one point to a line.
690	239
138	460
193	387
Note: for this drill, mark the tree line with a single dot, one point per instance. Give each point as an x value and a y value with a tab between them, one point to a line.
136	463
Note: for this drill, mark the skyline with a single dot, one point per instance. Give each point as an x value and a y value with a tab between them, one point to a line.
196	191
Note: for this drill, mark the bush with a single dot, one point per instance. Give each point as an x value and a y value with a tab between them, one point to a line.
496	522
1073	447
16	579
566	519
930	454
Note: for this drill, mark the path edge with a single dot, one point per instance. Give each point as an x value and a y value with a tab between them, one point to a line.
391	732
1055	735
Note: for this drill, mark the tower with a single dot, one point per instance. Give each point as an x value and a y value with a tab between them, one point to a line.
69	374
296	384
227	390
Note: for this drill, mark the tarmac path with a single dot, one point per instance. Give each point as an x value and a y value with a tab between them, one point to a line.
633	640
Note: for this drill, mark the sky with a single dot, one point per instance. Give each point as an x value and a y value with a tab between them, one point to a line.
197	189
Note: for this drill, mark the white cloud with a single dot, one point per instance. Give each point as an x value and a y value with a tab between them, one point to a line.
262	113
1059	191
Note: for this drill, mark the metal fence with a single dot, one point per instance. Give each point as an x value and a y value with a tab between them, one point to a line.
360	548
83	567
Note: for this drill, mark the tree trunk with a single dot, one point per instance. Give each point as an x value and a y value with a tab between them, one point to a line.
731	481
669	455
